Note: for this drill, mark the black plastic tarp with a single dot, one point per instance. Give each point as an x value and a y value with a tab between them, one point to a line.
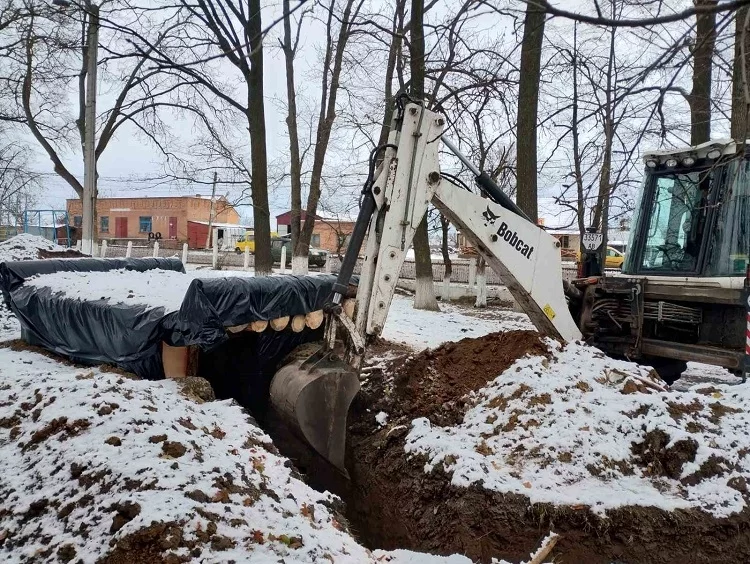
130	336
89	332
212	304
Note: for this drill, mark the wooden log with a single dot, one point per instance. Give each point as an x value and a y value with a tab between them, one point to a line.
237	328
349	308
259	325
298	323
174	360
545	549
279	323
314	319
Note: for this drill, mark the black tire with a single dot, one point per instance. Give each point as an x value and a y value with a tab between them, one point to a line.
238	250
668	369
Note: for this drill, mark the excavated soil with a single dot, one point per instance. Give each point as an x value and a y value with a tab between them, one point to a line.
67	253
432	515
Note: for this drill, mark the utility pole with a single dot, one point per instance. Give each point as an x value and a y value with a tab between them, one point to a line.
211	212
88	232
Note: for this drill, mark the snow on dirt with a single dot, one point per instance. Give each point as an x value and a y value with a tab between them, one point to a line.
93	463
25	247
427	329
580	429
153	288
97	467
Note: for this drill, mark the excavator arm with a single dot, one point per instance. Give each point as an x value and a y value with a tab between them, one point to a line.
524	255
314	391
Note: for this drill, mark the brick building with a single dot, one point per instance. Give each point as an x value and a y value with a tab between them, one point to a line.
331	234
135	218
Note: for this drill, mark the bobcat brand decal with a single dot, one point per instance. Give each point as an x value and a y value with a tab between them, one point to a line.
512	238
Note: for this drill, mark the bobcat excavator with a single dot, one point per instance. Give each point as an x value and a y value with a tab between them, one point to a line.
681	295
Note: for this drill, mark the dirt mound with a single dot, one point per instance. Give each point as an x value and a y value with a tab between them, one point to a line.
434	382
67	253
433	514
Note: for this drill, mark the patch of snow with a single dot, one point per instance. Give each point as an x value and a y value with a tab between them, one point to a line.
88	458
10	328
153	288
382	418
25	247
427	329
562	430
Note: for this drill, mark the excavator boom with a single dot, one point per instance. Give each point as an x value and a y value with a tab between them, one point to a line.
313	394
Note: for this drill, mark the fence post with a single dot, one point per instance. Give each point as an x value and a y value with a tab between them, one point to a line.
78	245
215	256
283	260
156	249
328	263
184	253
129	250
246	261
103	252
472	272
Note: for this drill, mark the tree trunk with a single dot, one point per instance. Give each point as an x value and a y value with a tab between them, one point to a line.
299	263
256	121
481	300
528	103
334	56
425	287
700	96
605	176
448	265
740	74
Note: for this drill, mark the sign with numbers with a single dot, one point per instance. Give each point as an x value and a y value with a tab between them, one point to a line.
592	241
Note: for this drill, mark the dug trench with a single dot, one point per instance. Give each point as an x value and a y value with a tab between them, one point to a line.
391	502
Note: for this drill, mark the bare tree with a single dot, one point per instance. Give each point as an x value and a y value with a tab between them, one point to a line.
740	70
703	52
46	55
528	103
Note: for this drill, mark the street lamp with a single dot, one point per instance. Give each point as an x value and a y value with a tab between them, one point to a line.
89	129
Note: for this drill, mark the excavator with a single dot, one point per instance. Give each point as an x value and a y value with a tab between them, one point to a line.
681	295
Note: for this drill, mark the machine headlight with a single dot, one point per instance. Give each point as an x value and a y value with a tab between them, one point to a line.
651	163
688	160
671	163
714	153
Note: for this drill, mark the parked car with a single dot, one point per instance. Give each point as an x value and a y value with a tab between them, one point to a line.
245	241
316	257
614	258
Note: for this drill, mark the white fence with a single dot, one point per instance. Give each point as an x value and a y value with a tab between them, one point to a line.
228	259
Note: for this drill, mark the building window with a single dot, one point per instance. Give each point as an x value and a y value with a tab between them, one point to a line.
565	241
144	224
104	224
315	240
77	220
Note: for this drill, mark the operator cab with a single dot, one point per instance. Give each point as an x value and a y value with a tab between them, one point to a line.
694	216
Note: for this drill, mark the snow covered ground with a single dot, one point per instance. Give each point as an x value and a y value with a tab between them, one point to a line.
25	247
583	429
428	329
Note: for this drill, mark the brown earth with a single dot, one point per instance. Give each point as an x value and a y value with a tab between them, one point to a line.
433	515
67	253
433	382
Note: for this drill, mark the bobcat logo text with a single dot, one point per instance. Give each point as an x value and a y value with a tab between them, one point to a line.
512	238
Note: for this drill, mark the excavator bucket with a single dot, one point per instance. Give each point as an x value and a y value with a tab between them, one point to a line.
312	394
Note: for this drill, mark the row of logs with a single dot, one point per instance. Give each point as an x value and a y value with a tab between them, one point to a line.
313	320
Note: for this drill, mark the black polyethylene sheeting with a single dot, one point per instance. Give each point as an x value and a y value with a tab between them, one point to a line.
89	332
212	304
130	336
